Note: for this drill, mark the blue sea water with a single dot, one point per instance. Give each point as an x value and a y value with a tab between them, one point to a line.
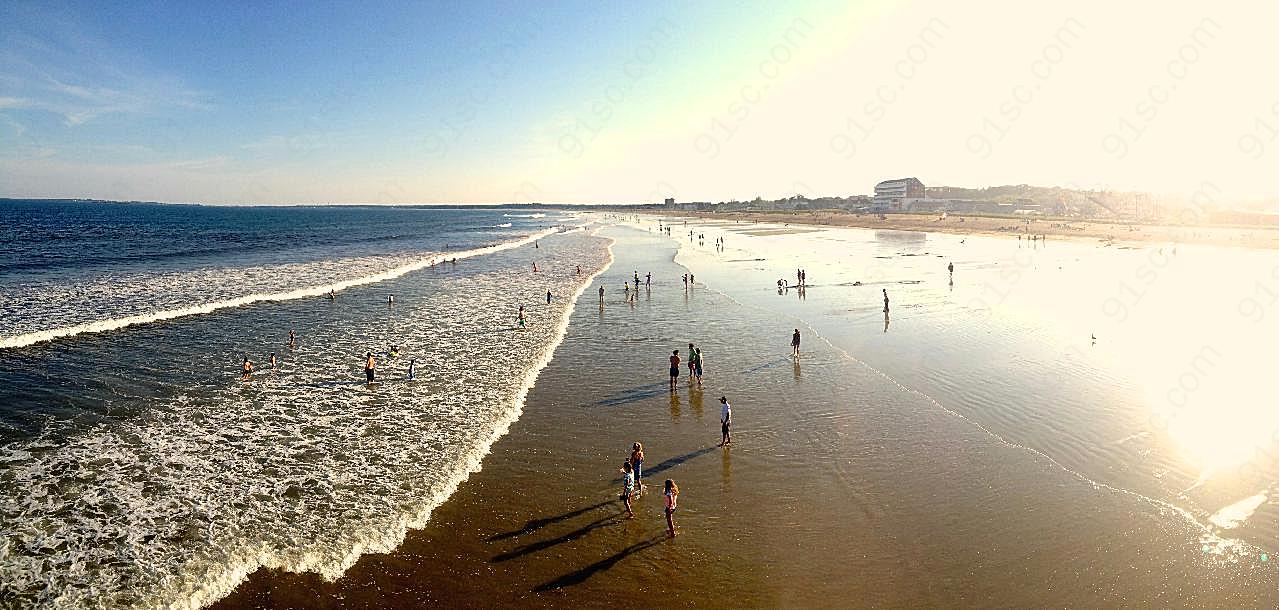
138	470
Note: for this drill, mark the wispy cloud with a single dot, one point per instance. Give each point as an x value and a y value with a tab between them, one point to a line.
59	68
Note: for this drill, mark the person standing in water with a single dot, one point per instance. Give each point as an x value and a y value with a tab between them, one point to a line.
885	300
601	293
725	421
390	300
697	370
370	363
670	497
273	361
246	369
648	279
692	363
521	316
674	368
794	343
628	488
579	270
293	339
548	297
637	464
412	369
332	295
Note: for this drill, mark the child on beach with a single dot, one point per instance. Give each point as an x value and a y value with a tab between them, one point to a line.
628	489
670	497
794	343
637	464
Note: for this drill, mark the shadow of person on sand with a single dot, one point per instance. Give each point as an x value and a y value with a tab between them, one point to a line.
634	394
542	545
536	524
670	463
578	577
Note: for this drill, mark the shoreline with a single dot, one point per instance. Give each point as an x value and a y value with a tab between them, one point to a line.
960	224
843	486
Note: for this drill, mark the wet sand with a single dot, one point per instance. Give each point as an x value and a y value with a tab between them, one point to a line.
962	224
842	488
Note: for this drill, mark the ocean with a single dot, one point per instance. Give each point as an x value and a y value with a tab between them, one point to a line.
137	469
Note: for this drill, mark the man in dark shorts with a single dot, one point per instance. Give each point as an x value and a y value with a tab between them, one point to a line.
725	421
674	368
370	363
794	343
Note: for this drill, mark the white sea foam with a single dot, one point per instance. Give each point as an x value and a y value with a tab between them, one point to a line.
1230	517
301	470
114	323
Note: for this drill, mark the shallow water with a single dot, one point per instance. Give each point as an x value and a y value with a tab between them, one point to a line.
138	469
844	485
1168	403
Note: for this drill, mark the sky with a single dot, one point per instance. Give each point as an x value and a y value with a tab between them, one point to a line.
492	102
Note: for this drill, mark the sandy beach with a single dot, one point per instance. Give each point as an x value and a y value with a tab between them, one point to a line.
1092	230
843	487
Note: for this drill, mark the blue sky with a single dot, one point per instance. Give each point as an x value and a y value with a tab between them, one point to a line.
587	102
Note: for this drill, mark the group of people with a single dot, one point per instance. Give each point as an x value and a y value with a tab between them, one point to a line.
694	366
633	488
246	367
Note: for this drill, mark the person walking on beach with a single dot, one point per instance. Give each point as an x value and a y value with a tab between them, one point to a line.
794	343
725	421
670	498
548	297
637	464
521	316
951	268
370	363
885	300
686	281
628	489
535	267
246	369
674	368
579	270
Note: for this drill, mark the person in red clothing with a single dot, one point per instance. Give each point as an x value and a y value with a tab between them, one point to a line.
674	368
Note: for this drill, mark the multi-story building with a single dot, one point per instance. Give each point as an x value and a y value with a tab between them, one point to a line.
896	194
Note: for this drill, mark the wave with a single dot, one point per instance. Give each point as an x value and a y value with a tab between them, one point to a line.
504	225
110	324
533	215
195	499
387	541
